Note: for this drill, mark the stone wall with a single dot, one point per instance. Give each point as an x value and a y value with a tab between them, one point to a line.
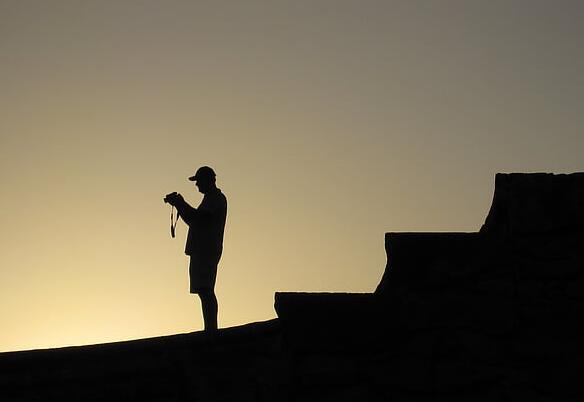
495	315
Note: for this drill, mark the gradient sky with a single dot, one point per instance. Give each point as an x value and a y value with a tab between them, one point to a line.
328	123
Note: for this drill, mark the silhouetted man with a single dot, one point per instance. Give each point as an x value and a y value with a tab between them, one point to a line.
204	240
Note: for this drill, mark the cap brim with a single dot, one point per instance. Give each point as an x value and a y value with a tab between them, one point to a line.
193	178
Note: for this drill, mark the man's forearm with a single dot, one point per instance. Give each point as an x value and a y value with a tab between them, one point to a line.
186	212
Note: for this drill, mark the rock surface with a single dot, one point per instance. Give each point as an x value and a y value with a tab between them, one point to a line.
495	315
245	363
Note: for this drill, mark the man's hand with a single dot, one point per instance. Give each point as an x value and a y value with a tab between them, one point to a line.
173	198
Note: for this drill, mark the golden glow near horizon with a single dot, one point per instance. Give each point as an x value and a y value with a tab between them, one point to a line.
328	123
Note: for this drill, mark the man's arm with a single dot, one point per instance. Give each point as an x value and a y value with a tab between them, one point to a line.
193	215
188	213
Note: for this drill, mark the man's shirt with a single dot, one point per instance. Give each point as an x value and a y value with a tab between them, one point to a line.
206	226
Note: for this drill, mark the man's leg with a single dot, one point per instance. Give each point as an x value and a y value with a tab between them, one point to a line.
209	306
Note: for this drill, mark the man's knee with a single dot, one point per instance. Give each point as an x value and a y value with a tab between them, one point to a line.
206	294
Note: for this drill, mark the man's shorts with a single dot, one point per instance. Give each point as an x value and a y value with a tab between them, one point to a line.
202	274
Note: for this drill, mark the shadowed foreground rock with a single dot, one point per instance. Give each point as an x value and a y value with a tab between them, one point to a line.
495	315
238	364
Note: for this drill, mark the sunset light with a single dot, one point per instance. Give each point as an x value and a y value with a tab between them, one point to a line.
328	123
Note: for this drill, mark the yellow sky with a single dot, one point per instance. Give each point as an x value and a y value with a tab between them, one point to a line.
328	123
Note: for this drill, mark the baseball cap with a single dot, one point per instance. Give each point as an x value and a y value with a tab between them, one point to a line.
204	172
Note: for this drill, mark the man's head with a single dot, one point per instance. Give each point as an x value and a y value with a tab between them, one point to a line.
204	179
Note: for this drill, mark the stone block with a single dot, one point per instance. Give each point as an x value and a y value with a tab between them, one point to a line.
536	203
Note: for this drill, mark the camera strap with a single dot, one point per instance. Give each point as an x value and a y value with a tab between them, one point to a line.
173	222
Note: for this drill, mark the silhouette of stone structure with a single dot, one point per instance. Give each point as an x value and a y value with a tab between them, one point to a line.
494	315
490	316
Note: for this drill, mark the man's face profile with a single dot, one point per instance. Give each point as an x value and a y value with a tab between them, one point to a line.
204	179
203	185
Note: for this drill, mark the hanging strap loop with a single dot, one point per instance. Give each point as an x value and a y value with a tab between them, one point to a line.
173	222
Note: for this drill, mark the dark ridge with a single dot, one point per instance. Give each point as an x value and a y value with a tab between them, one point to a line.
494	315
193	366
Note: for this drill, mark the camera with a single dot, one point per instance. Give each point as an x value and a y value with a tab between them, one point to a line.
168	198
